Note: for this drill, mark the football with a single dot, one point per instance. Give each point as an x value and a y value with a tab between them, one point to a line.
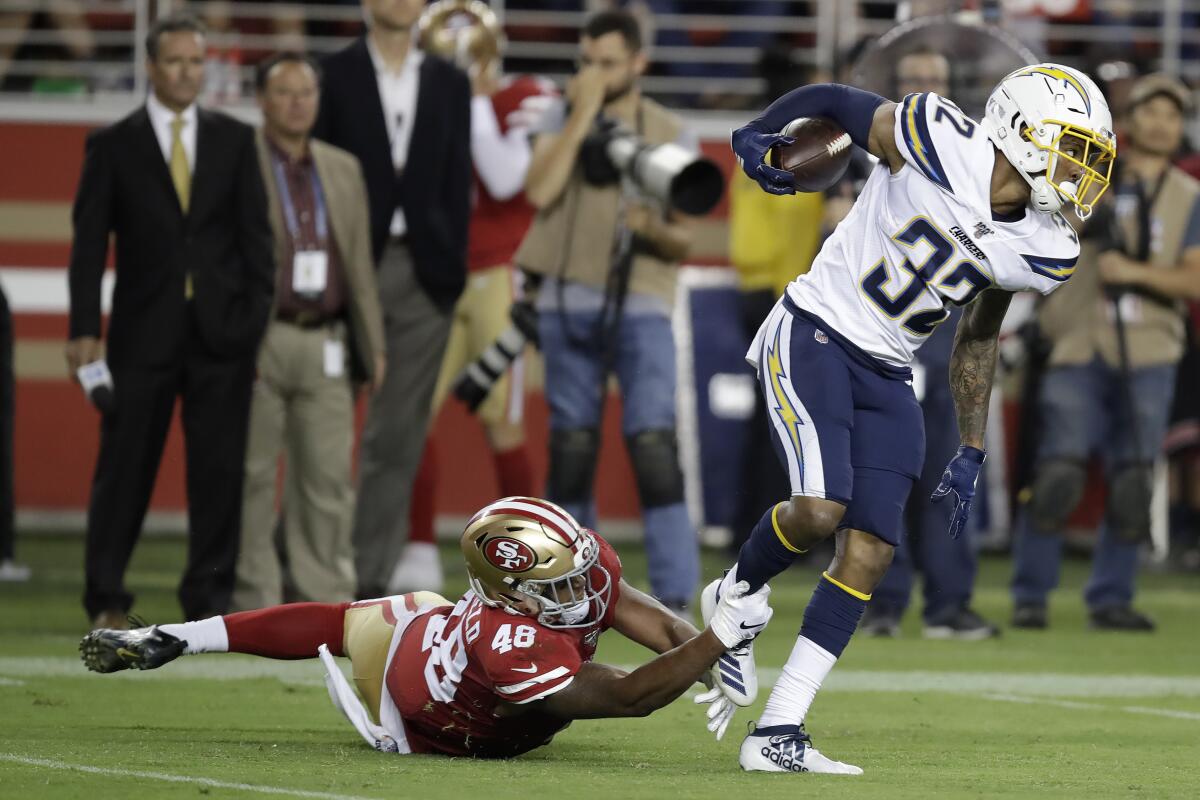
819	156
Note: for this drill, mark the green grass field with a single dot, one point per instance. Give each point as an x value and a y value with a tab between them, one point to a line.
1063	713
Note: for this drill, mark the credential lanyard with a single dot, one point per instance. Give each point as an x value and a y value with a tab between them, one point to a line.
289	208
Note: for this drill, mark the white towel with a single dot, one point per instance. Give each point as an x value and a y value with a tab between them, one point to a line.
347	701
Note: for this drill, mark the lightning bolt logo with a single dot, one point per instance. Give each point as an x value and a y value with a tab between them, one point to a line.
1065	77
914	135
783	405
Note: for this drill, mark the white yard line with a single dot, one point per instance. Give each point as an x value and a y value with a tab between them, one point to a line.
169	778
1053	685
1044	701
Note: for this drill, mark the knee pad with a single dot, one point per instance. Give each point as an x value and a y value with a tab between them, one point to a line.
1129	494
1057	489
572	464
655	457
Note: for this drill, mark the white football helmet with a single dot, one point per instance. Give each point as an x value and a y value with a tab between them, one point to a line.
1042	115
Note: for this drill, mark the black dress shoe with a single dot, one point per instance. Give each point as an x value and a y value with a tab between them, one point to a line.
962	624
1120	618
880	622
1029	617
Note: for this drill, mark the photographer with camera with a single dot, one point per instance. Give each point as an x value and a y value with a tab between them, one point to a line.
608	255
1116	332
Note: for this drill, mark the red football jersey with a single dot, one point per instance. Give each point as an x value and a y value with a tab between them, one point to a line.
498	226
454	666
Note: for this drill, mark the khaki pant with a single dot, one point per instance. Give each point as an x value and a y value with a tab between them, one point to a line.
298	410
480	316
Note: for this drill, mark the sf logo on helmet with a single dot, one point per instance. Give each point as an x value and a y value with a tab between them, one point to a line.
509	555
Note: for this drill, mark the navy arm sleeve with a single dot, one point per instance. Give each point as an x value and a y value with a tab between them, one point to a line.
853	109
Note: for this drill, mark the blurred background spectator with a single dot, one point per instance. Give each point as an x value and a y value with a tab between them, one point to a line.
192	246
1117	332
607	257
10	569
501	151
375	91
326	333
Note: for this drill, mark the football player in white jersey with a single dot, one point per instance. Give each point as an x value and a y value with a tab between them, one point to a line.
957	211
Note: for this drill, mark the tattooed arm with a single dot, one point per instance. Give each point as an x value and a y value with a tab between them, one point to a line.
973	363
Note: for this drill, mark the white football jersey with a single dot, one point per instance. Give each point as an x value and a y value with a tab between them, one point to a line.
924	238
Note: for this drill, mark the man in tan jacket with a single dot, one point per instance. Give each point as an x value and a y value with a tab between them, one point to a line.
589	326
325	335
1137	264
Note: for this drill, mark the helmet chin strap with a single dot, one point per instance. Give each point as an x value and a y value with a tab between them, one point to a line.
1045	198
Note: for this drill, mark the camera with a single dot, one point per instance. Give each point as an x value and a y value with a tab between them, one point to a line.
476	381
673	176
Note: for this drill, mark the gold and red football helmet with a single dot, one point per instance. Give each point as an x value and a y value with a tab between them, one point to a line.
466	32
525	548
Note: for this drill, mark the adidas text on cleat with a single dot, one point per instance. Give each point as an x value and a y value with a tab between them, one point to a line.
787	748
109	650
734	671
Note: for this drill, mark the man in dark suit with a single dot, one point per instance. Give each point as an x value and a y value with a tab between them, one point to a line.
406	115
180	187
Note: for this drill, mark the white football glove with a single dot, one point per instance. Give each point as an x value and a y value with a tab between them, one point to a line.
740	616
537	113
720	710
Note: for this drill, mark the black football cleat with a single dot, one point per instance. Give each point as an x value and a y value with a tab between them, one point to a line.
111	650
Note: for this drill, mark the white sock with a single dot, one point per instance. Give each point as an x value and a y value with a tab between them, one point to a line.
203	636
798	683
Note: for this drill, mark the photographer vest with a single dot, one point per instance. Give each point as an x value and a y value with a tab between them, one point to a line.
575	237
1078	318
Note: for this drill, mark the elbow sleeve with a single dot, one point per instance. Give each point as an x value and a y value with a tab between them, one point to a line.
853	109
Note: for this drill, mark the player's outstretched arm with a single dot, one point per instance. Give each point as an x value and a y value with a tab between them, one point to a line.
641	618
972	370
599	690
867	117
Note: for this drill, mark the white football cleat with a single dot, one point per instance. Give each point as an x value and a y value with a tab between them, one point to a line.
734	671
787	748
419	569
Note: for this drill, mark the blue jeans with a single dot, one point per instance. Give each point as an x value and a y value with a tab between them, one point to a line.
947	566
576	382
1083	413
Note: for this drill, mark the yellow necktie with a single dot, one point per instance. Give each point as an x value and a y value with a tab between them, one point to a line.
182	178
180	175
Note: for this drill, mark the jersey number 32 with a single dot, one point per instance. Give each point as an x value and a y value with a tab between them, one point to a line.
932	274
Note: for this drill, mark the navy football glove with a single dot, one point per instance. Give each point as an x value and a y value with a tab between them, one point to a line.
751	146
960	477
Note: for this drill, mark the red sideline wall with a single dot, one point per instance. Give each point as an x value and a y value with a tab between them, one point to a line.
56	429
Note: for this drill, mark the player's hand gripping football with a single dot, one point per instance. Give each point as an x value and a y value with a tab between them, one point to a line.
751	147
960	477
739	616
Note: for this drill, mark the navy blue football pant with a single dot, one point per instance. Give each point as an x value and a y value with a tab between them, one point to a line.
1082	411
948	566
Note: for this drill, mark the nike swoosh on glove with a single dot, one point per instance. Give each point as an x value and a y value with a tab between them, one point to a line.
740	614
960	478
751	146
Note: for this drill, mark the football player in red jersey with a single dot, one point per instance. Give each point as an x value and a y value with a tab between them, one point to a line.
505	110
499	672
